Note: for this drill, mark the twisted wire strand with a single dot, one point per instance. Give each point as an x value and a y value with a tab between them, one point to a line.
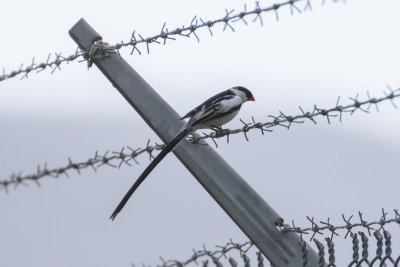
55	60
117	158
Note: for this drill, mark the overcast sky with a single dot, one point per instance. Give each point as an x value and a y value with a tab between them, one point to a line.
320	170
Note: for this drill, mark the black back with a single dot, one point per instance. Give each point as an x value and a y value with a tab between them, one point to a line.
207	102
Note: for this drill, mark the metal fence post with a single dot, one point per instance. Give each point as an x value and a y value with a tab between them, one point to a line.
246	208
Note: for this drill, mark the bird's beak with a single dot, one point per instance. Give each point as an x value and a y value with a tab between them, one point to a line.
252	98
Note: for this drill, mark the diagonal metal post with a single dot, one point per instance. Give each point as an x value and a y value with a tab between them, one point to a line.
246	208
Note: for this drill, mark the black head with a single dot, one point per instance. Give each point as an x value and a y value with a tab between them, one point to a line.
246	91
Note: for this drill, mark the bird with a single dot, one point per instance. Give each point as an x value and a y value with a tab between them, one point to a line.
211	114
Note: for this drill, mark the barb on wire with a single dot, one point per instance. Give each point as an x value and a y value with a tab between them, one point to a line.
117	159
137	39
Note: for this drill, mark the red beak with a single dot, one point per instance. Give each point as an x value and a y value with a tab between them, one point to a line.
252	98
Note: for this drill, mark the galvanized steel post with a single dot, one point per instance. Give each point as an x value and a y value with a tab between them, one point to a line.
246	208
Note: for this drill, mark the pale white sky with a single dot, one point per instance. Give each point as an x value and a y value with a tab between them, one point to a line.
321	171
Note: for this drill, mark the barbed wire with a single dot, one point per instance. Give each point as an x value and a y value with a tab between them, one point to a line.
287	121
126	154
213	255
349	226
382	236
114	159
55	60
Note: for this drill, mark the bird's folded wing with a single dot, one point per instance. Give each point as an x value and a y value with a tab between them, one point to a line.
219	108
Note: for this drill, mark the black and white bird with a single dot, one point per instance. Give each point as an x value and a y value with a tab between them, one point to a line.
213	113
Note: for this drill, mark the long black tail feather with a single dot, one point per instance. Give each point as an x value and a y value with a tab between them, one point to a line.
147	171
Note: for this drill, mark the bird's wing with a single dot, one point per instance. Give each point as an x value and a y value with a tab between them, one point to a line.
190	113
149	168
216	109
206	103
